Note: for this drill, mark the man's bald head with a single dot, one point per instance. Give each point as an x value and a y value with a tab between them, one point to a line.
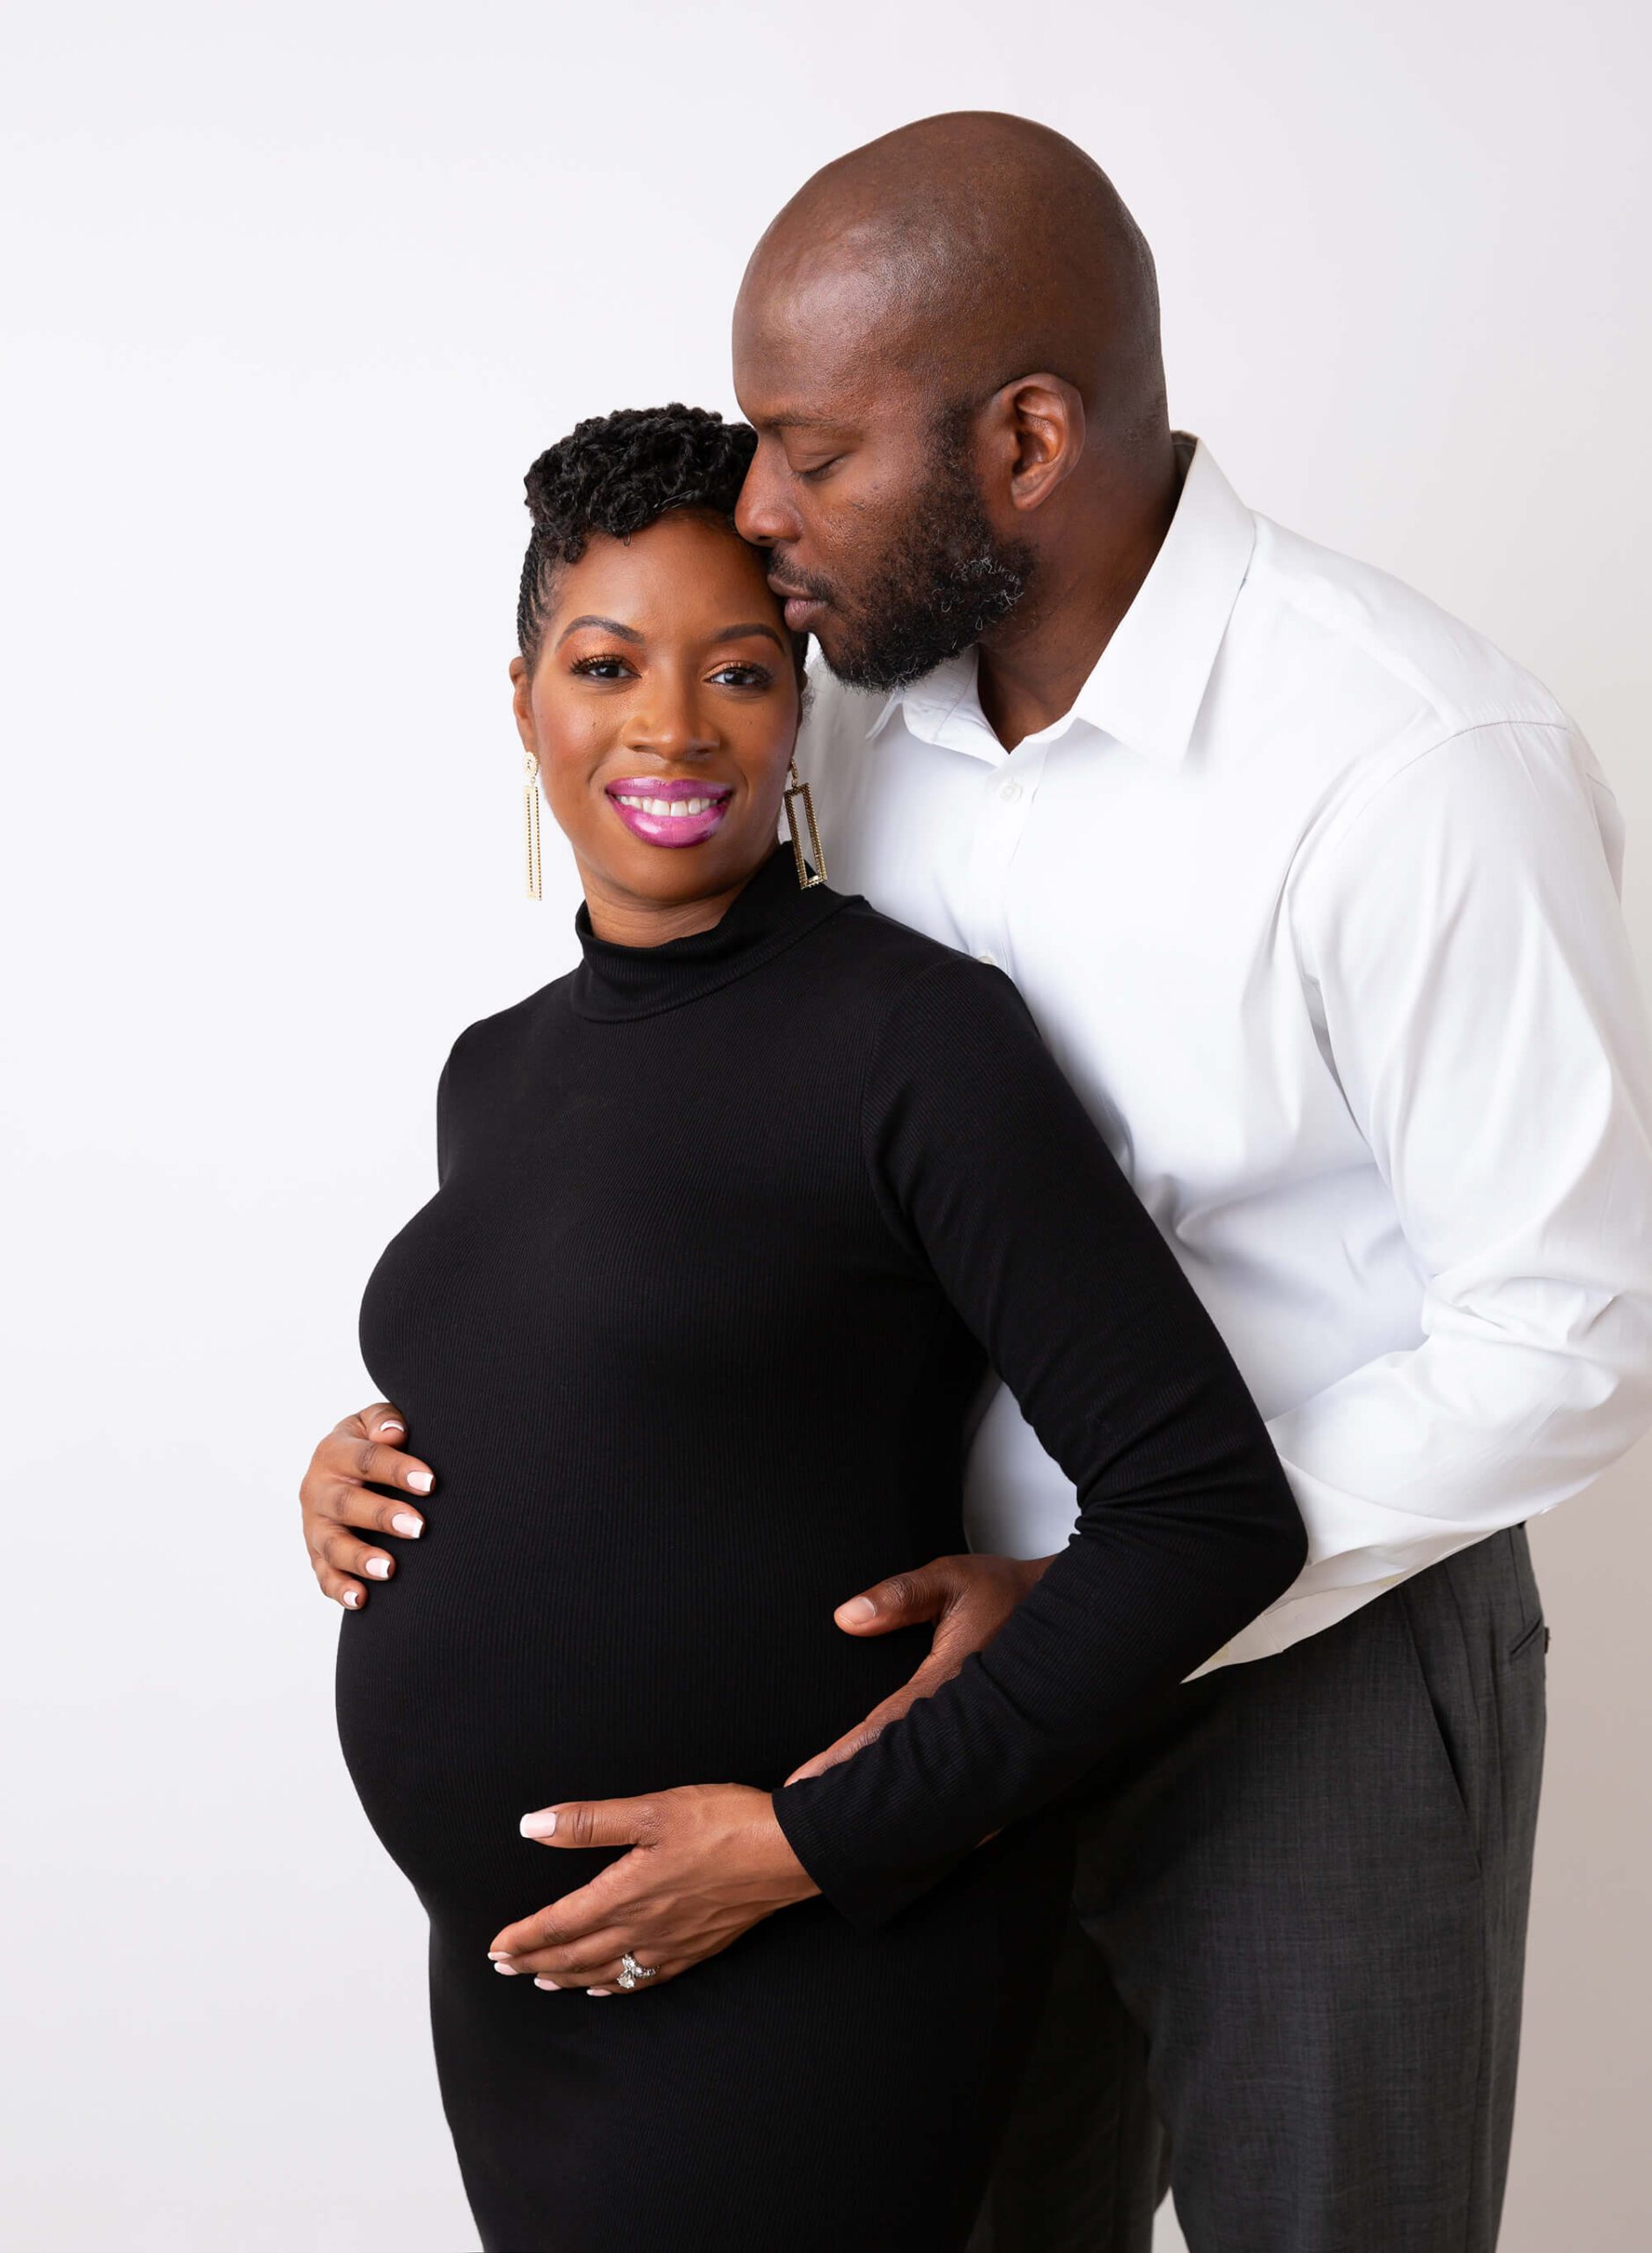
948	345
962	252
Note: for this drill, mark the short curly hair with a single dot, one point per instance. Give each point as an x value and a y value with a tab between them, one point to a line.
618	474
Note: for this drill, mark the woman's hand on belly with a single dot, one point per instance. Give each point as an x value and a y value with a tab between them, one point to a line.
332	1494
708	1862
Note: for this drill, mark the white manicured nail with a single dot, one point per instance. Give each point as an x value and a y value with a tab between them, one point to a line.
379	1569
551	1983
404	1521
538	1826
385	1430
352	1597
420	1481
509	1970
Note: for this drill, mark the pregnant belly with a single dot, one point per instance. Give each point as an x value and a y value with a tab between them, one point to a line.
537	1647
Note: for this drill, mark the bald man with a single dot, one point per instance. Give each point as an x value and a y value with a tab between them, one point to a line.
1314	894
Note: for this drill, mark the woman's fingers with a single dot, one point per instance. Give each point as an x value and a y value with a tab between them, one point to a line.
340	1587
334	1493
349	1466
594	1823
578	1924
381	1420
341	1552
662	1973
596	1978
347	1505
579	1963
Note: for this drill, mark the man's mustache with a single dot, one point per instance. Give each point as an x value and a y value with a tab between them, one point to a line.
796	582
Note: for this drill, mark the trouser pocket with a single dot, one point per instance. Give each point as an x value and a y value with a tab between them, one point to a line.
1532	1632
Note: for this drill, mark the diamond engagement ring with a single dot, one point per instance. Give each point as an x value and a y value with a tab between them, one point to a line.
631	1971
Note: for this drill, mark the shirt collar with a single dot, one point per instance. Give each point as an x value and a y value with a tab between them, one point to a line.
1147	686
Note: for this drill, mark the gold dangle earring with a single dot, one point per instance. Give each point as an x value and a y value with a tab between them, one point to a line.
531	812
801	791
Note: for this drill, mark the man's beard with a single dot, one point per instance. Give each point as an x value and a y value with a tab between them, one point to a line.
947	580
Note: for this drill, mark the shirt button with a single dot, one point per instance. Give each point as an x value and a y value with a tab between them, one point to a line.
988	958
1009	791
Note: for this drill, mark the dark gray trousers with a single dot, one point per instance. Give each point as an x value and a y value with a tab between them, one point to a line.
1292	1985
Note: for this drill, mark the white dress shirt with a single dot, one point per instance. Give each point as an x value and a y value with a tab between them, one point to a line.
1314	895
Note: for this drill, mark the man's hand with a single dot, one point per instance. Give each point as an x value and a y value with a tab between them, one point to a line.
706	1863
334	1497
969	1598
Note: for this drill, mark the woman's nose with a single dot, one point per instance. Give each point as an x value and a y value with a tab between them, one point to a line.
670	724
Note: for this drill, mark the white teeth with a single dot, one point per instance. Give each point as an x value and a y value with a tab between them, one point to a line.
667	809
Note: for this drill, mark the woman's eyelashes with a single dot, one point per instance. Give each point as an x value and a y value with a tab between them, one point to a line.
818	469
734	673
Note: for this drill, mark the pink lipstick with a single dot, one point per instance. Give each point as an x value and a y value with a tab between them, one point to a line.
677	812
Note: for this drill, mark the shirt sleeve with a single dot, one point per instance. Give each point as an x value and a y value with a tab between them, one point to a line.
991	1172
1468	966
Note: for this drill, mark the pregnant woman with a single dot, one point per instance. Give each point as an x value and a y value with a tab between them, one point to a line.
732	1223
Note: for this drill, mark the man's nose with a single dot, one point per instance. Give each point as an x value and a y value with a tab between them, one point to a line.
761	514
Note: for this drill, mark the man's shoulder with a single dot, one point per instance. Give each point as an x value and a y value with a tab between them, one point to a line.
1360	630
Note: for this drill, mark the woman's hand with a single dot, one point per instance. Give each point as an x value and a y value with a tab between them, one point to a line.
333	1497
707	1863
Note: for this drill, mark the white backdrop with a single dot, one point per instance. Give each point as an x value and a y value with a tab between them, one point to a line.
290	298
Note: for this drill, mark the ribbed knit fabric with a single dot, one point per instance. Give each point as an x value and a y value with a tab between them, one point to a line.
726	1232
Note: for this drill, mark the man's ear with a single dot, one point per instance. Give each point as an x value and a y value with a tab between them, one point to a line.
1041	420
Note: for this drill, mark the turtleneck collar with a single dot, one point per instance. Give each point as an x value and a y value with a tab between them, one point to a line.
771	912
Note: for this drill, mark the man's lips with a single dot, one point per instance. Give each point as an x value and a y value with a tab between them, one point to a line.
678	811
801	609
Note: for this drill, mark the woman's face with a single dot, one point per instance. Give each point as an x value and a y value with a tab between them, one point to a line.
664	710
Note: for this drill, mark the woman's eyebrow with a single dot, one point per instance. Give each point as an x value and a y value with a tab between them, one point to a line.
607	624
739	633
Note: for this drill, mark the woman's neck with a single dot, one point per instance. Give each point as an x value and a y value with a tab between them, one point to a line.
625	920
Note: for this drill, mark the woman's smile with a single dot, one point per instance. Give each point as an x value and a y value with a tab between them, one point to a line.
678	812
659	692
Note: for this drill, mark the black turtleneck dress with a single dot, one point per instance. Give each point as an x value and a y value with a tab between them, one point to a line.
728	1233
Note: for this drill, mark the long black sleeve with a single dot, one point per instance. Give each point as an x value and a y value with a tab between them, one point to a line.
989	1168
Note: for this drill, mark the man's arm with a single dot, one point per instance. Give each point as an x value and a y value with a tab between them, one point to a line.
1462	946
1464	953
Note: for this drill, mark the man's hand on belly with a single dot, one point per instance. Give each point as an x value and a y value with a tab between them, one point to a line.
968	1598
706	1863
